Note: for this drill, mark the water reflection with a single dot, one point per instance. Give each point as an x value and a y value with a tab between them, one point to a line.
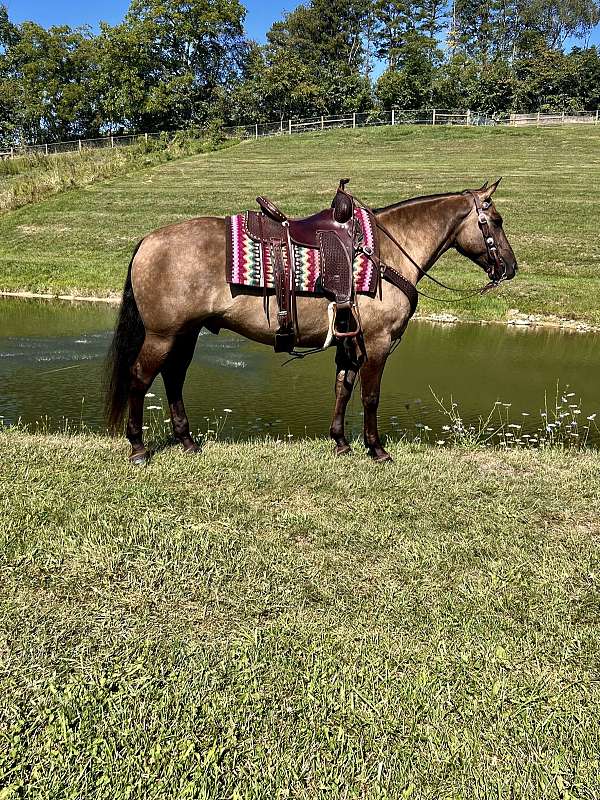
51	365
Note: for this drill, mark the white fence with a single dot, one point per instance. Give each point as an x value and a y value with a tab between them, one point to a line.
74	145
433	116
561	118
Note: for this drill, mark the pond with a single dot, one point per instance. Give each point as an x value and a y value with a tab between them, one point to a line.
52	354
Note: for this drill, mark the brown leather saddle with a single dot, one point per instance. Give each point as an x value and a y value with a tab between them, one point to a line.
332	232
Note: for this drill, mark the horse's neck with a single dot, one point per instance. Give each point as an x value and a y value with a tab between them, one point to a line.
425	228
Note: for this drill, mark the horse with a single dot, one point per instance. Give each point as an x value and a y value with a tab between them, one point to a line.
176	285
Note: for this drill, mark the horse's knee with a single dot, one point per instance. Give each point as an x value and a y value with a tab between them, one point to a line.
370	400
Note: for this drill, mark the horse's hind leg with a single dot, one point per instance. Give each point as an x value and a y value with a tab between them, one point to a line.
174	371
145	368
346	366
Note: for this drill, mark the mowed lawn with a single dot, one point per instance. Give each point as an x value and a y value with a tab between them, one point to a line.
82	239
265	622
262	621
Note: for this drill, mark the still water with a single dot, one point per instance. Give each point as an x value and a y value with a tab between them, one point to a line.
51	368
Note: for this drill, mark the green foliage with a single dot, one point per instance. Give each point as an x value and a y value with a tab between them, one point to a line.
316	61
174	63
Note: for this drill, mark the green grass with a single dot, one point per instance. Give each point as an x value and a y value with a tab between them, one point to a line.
31	178
226	627
83	239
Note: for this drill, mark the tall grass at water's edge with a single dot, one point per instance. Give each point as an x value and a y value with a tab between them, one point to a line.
30	178
560	424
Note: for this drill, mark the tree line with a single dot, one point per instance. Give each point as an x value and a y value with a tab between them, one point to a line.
173	64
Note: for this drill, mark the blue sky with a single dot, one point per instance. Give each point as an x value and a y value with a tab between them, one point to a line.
260	16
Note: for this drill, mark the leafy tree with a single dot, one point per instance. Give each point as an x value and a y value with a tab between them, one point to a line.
586	65
324	42
195	48
47	78
553	21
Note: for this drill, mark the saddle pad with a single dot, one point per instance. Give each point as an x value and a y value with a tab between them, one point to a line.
245	265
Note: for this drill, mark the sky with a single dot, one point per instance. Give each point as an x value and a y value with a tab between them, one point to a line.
259	19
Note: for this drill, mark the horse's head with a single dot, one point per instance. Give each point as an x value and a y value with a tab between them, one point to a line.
481	237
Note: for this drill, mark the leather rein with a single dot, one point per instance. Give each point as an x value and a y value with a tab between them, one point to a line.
394	277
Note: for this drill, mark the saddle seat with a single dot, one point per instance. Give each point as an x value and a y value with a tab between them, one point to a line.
305	231
331	232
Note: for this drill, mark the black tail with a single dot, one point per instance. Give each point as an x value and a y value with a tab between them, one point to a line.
126	344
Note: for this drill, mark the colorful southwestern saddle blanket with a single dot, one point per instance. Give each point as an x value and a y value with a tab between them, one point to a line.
248	262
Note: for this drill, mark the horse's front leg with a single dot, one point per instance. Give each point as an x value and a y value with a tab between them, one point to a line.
370	379
346	369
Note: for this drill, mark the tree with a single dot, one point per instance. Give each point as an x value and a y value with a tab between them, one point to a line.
195	47
324	42
46	78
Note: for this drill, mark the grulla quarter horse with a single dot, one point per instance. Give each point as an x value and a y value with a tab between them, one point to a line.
176	285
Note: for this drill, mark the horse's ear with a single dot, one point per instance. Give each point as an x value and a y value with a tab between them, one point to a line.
493	188
483	188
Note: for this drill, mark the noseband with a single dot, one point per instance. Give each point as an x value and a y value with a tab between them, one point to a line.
496	266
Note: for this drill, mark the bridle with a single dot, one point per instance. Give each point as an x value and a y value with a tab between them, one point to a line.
496	266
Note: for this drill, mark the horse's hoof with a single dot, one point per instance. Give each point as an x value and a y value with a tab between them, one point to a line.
191	449
139	459
382	458
342	449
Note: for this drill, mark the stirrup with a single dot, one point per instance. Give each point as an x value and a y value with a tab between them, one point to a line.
352	316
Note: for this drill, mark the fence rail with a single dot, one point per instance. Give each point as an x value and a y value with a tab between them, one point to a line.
433	116
560	118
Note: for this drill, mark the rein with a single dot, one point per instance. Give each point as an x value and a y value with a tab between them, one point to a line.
490	243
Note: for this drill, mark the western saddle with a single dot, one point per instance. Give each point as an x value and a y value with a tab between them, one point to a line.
333	233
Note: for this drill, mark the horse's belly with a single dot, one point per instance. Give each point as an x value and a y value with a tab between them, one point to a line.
246	316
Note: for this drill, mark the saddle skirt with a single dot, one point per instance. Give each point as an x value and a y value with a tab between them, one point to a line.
248	261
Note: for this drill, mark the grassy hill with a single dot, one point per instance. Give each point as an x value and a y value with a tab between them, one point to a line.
82	239
227	627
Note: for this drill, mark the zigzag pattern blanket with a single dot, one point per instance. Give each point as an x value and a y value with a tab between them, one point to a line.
246	265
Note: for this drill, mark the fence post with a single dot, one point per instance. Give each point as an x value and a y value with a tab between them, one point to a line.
468	116
433	117
563	118
596	117
256	131
281	125
290	127
12	149
79	145
354	119
393	116
112	140
538	119
46	149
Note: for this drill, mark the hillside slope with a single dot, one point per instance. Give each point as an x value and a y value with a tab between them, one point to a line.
82	239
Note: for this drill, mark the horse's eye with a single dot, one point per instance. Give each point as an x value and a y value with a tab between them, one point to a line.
498	222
